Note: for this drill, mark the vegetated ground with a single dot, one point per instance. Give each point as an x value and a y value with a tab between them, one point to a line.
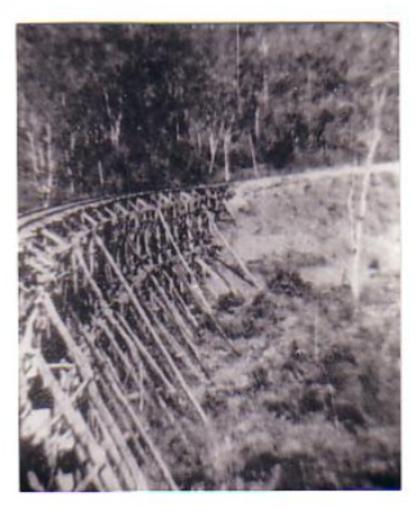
312	399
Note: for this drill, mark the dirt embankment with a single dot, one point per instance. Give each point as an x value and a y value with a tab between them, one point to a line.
310	399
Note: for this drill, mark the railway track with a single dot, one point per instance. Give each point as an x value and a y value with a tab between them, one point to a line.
35	218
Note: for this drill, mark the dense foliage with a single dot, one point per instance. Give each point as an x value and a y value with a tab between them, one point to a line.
113	108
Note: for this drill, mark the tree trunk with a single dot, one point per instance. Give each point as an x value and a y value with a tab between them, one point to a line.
265	95
116	131
253	156
69	171
264	48
177	134
71	180
33	154
100	174
50	164
213	143
378	100
199	141
257	122
115	122
226	151
238	64
72	141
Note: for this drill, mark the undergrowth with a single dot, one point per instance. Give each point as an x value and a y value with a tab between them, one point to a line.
313	400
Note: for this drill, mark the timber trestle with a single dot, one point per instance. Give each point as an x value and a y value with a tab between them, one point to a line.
111	295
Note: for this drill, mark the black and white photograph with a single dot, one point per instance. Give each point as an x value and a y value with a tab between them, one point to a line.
209	256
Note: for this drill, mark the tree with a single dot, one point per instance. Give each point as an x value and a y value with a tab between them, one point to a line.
379	88
112	108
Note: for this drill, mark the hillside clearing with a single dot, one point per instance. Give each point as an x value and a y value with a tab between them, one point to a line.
312	402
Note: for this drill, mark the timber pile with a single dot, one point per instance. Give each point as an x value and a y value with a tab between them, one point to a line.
112	293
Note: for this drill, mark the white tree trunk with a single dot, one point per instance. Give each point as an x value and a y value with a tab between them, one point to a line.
116	131
226	151
100	173
213	144
115	122
253	156
257	122
33	154
238	64
71	179
199	140
50	164
264	48
378	100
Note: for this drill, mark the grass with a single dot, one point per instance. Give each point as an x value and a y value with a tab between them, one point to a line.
313	400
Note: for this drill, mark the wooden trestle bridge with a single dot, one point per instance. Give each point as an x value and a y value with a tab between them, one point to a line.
112	295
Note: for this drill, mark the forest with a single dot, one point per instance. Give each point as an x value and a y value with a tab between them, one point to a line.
113	108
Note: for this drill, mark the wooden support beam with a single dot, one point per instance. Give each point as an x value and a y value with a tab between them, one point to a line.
129	366
130	334
137	422
238	260
174	421
194	288
61	243
74	271
107	377
171	308
111	318
145	319
177	317
133	477
234	270
93	223
78	427
209	271
178	297
231	287
179	350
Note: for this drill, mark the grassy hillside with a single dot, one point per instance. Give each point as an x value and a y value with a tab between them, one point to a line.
312	399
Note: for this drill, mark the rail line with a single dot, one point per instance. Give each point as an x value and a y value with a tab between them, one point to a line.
40	214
